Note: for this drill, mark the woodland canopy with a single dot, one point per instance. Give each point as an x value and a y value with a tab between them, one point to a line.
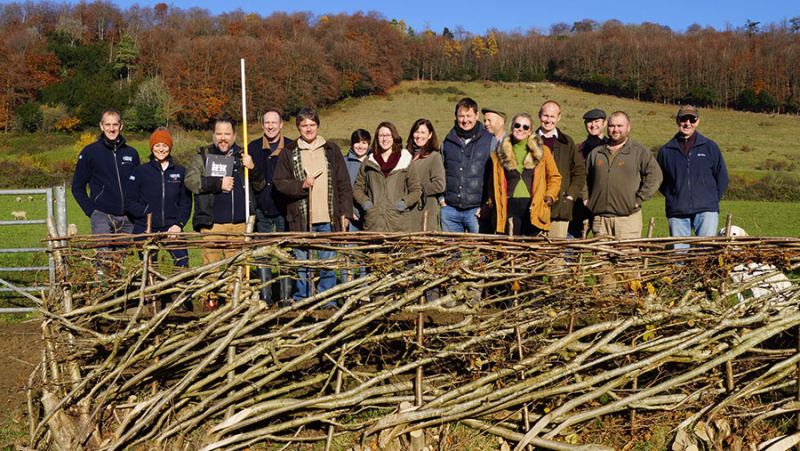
63	64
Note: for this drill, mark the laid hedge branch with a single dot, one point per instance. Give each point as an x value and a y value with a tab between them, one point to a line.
563	334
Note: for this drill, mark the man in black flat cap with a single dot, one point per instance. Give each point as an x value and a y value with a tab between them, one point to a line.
494	121
595	122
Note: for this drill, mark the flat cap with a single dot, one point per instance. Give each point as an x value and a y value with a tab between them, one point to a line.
594	114
493	110
687	110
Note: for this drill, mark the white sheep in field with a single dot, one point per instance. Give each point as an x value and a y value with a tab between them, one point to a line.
30	198
19	199
19	215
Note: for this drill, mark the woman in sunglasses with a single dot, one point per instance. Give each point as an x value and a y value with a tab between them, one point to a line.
524	181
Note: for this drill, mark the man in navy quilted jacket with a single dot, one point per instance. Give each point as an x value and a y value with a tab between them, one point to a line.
695	178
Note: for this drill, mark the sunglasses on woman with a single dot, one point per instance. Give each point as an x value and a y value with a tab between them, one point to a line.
525	127
691	119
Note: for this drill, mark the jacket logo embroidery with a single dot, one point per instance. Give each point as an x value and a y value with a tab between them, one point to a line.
174	178
132	177
127	159
701	155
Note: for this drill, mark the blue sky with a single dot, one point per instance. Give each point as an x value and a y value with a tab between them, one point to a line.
477	17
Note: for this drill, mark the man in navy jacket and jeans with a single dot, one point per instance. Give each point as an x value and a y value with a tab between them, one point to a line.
466	152
695	178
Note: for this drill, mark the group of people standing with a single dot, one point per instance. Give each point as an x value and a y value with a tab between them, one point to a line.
528	180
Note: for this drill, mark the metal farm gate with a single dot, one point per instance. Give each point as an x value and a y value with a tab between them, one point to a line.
56	218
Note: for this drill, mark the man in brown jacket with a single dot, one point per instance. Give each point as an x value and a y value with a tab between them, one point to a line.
621	175
314	180
570	165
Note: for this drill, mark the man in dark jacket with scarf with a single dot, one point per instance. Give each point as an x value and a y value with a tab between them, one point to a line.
570	165
270	203
465	152
219	199
105	166
313	178
695	178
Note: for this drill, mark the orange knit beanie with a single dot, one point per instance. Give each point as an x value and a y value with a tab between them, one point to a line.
161	136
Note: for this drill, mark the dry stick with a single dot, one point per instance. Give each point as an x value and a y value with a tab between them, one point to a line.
146	278
420	442
338	387
651	226
526	421
337	390
420	332
729	385
797	394
74	370
237	290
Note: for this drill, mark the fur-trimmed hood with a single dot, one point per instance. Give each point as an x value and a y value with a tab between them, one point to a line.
505	153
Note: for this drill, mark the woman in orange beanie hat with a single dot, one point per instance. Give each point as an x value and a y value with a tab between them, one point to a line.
157	188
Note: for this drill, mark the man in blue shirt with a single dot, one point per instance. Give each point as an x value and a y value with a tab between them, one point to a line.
695	178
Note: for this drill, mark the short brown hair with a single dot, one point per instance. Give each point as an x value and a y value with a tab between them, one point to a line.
272	109
468	103
307	113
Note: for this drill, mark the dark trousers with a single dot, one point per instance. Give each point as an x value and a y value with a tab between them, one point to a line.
271	224
180	257
519	209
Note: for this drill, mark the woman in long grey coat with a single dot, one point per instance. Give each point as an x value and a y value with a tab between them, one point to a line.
424	147
387	186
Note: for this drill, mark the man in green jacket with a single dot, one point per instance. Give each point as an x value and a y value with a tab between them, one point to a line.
621	175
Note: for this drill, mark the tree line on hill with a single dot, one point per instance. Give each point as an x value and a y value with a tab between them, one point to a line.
63	64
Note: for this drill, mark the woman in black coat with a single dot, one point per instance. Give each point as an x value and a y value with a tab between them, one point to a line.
157	188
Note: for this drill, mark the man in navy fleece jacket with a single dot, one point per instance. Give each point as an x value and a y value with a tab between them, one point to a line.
105	165
695	178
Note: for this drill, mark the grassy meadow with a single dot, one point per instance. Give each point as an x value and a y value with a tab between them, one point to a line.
747	139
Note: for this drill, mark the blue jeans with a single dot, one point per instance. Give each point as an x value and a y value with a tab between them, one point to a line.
271	224
327	278
703	224
458	220
362	271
